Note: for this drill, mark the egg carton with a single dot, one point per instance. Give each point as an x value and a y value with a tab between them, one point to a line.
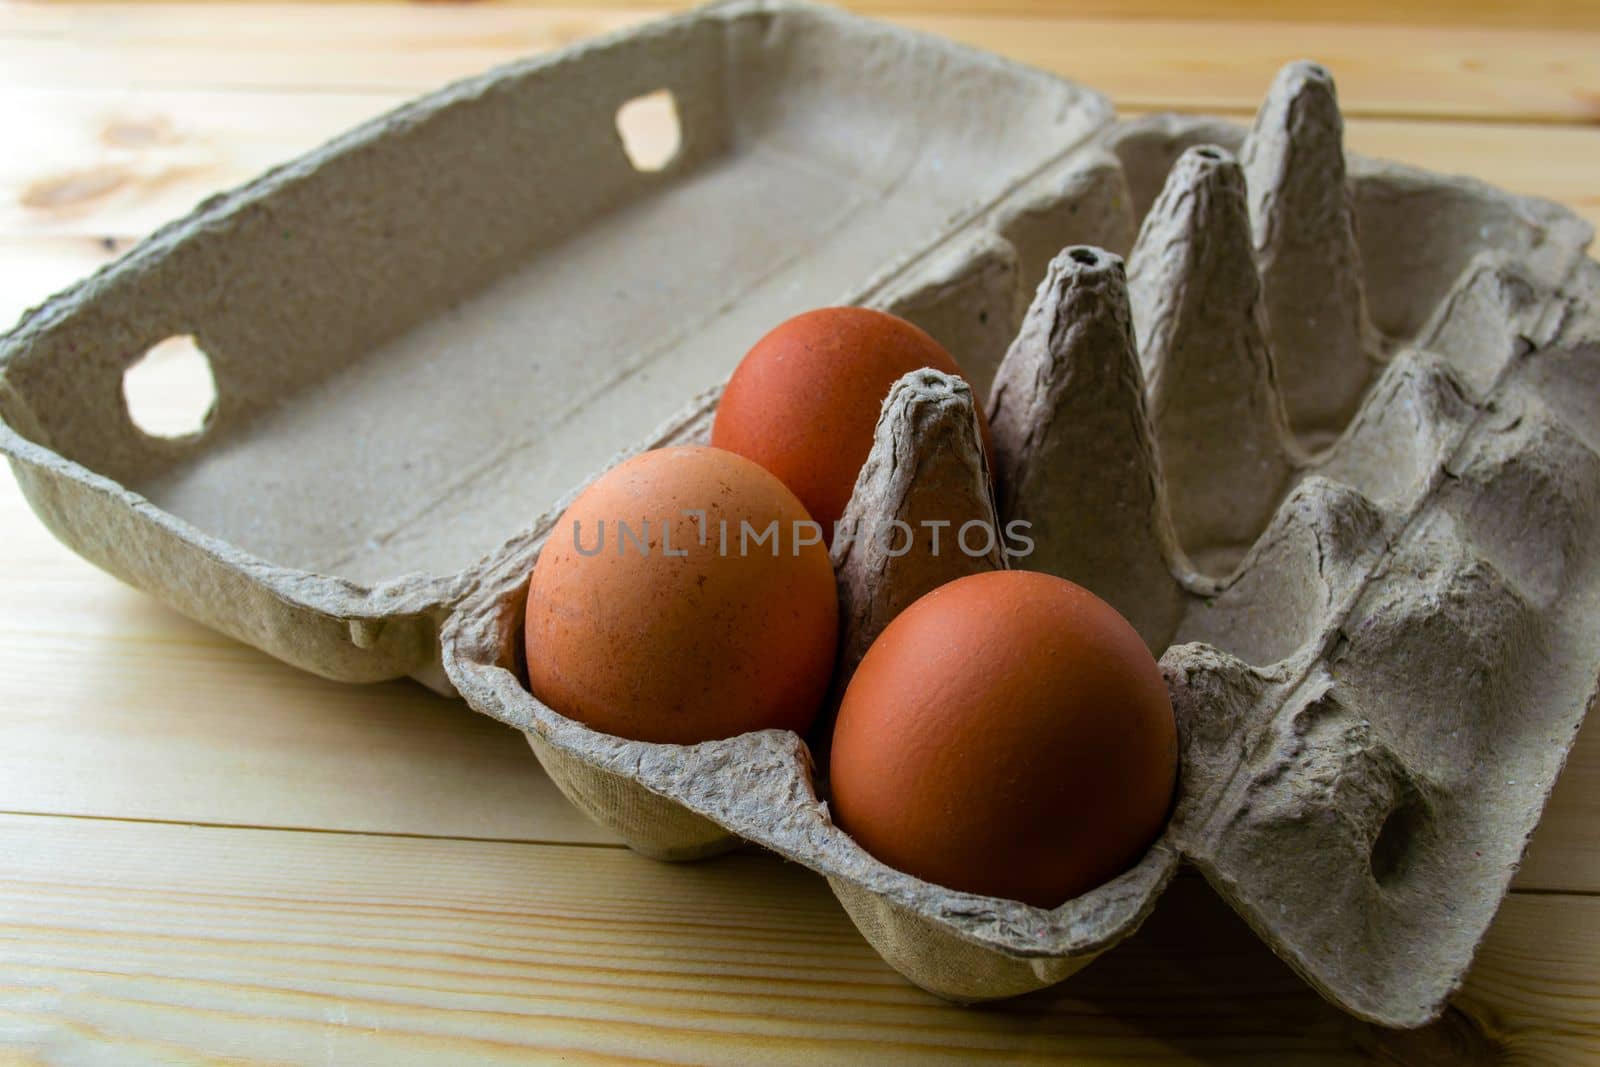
1328	440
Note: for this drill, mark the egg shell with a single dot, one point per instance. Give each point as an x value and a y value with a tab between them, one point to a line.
805	400
650	644
1008	734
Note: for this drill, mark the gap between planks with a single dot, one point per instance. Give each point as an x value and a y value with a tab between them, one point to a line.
1184	871
282	828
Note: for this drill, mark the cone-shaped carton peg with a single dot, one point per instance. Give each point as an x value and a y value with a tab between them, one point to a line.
1219	422
922	512
1303	220
1074	452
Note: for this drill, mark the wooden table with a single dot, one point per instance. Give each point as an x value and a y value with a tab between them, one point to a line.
207	856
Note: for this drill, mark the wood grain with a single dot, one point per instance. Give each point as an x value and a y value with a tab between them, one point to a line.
1556	13
339	948
1532	987
180	942
116	705
118	163
96	163
1445	71
435	899
32	268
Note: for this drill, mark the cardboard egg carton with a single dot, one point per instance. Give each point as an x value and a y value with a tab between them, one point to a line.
1327	438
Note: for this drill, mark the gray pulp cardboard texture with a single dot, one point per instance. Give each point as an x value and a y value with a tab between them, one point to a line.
926	466
1328	439
376	312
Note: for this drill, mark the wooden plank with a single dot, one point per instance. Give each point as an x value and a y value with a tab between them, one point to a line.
115	705
1557	163
179	943
1564	854
185	942
92	163
31	268
1458	71
105	162
1553	13
1532	988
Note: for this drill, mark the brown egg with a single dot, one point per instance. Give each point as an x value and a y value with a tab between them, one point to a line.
1010	735
649	622
805	400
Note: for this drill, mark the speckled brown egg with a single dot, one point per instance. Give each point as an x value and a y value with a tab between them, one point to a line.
1008	734
805	400
657	610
